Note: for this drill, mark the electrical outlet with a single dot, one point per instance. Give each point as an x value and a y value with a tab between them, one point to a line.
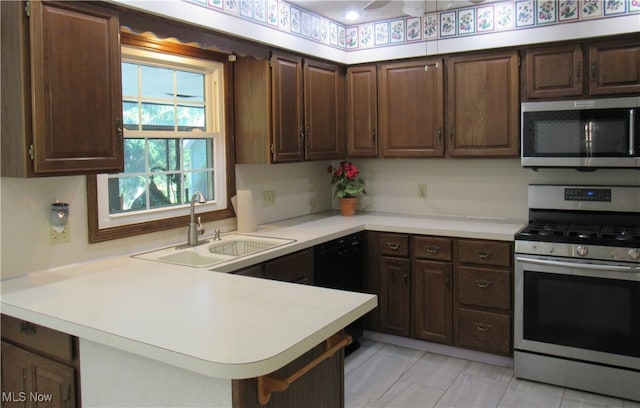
422	191
56	237
268	198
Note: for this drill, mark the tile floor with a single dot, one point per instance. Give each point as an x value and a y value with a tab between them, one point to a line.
386	375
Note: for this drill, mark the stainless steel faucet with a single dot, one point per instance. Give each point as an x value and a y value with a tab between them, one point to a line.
195	229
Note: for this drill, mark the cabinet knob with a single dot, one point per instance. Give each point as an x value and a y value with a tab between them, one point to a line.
119	131
432	249
27	328
594	70
483	327
393	245
451	130
482	254
482	283
578	70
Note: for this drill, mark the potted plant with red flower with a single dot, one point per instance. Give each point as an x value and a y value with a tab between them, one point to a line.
348	186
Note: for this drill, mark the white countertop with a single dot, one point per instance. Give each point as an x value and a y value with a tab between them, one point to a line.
216	324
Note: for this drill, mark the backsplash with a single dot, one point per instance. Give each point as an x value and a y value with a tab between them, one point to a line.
469	21
488	188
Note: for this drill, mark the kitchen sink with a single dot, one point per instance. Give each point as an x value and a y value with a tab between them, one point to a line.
242	245
210	253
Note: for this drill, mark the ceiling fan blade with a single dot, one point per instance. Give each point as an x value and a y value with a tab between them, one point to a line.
375	4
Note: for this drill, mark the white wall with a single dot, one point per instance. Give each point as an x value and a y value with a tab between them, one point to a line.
481	188
494	188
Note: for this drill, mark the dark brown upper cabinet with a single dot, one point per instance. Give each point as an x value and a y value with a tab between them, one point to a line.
410	104
483	105
61	86
553	72
288	109
362	111
614	67
599	68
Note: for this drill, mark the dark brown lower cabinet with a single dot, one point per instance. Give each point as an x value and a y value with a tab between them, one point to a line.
297	267
321	387
395	296
39	366
445	290
485	331
432	294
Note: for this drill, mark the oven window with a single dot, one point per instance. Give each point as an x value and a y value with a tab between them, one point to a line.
582	312
586	133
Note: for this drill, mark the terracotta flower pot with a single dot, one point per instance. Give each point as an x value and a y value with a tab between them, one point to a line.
348	205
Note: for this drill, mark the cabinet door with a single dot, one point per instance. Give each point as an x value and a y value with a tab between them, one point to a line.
362	111
411	108
614	68
252	115
395	301
40	380
76	88
286	105
553	72
324	110
483	105
297	268
432	294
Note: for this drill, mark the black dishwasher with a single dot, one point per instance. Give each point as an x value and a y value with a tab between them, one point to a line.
338	266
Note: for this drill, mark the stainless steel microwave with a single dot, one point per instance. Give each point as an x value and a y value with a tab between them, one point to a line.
582	134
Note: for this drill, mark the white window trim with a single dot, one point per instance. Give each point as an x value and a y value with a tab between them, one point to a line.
215	123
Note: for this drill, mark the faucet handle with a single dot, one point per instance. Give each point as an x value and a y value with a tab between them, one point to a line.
216	235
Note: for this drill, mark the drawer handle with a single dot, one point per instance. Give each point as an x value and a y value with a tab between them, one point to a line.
432	249
483	283
482	254
27	328
483	327
393	245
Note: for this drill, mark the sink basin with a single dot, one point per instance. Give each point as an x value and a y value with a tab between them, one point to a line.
198	256
231	247
242	245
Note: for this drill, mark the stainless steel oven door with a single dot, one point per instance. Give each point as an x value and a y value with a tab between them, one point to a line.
577	309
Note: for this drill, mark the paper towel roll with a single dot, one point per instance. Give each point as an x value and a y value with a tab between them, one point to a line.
245	214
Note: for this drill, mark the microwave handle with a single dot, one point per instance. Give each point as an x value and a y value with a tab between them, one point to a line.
632	132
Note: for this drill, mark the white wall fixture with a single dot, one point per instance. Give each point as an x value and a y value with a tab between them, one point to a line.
59	223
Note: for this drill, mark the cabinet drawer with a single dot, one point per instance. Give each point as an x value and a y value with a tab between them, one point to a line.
432	248
296	267
484	287
37	338
255	271
394	244
484	252
490	332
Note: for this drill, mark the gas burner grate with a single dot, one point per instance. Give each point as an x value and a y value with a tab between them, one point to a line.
546	229
621	232
583	231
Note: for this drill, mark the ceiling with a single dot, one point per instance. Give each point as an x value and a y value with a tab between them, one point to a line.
374	10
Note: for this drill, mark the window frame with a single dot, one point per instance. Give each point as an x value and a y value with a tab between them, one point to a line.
97	234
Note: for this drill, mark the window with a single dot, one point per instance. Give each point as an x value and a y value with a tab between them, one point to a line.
174	143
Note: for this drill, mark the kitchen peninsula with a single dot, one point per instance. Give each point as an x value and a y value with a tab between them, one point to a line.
180	334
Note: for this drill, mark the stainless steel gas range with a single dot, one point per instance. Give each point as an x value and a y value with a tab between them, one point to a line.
577	289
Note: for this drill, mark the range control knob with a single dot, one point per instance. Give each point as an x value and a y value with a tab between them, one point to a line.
634	254
582	250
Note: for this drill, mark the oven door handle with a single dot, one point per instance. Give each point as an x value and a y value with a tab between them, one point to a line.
599	267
